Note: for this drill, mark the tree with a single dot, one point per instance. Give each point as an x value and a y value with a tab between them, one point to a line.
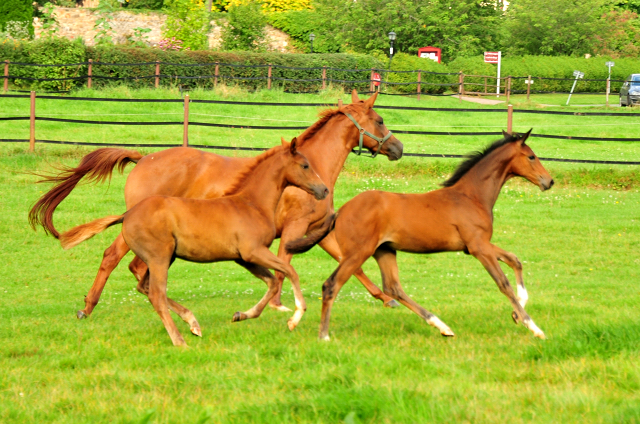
187	21
464	27
245	28
557	28
16	13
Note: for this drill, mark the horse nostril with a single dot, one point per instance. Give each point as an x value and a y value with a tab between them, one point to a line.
552	183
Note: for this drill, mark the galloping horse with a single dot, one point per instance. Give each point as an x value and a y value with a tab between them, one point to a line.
458	217
239	227
186	172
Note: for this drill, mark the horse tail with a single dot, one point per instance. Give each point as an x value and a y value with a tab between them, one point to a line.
97	166
304	244
83	232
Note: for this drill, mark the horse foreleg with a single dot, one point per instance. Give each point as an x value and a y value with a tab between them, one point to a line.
157	276
272	283
330	245
487	255
512	261
263	256
184	313
391	282
111	258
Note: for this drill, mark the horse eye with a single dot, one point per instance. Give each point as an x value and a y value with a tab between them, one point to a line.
305	166
532	157
381	122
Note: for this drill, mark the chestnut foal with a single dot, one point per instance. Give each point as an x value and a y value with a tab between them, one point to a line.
239	227
187	172
458	217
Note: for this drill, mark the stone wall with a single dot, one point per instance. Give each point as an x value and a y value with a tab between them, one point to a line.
80	22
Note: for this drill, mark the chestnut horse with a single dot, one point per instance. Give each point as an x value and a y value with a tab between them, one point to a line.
239	227
186	172
458	217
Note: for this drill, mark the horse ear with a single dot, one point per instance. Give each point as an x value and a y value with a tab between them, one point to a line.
505	134
294	146
371	100
354	96
283	141
525	136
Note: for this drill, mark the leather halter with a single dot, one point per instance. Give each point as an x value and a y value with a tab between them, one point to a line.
364	132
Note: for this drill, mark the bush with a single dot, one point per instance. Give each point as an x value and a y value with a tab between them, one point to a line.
187	20
407	62
12	11
550	67
298	24
245	28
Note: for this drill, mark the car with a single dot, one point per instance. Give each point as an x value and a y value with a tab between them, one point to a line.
630	91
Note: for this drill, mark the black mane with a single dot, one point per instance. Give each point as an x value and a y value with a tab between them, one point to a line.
473	158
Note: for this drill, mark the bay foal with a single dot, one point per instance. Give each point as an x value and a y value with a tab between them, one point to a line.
239	227
458	217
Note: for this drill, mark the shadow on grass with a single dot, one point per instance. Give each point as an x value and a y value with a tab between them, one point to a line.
589	340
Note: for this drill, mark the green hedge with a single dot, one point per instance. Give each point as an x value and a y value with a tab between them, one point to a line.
549	67
406	62
68	53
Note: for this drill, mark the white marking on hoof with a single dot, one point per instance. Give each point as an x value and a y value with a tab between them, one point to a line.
325	338
280	308
523	296
444	328
196	331
291	324
534	328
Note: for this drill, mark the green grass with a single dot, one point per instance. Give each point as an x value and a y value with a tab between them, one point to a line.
578	243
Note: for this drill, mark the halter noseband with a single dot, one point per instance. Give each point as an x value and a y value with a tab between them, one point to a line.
362	131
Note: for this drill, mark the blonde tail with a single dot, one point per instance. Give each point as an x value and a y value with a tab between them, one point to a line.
83	232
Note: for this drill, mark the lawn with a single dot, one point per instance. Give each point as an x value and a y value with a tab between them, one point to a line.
578	242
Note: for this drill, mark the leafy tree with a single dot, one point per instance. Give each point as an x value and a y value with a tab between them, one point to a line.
245	28
622	37
16	11
188	21
560	27
464	27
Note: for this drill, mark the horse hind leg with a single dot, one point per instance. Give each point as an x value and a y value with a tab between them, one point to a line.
391	282
512	261
111	258
138	268
330	245
272	283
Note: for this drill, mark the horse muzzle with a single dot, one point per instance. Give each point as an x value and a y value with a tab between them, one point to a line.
392	149
320	192
545	183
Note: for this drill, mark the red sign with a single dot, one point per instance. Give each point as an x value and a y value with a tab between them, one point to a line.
376	79
491	57
429	52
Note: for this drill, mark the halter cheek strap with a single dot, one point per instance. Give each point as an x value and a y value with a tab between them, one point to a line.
364	132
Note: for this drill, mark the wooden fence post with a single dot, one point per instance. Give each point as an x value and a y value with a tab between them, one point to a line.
89	73
460	87
157	74
185	132
324	77
217	72
269	78
32	123
419	78
508	87
6	76
339	103
510	119
485	85
371	86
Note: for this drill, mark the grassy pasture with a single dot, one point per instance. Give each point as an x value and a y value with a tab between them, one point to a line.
579	244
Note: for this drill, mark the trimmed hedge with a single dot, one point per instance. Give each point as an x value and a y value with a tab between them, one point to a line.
549	67
407	62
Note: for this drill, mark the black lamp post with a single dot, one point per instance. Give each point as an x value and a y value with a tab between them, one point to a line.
392	38
312	36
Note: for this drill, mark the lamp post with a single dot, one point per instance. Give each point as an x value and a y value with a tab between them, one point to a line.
312	36
392	38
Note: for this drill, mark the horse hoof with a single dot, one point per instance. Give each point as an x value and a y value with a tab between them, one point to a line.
540	335
81	315
292	325
391	304
447	333
238	316
196	331
280	308
514	316
324	338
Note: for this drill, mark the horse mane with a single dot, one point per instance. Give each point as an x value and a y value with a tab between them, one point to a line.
325	116
473	158
242	176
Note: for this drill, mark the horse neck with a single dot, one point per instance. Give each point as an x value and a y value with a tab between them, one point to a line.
329	148
484	181
264	185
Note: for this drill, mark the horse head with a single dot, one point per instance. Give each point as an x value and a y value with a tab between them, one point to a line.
300	173
374	135
526	164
